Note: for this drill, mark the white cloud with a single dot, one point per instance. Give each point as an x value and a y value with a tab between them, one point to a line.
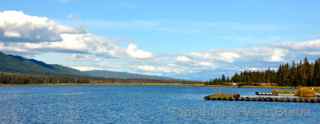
203	63
183	59
159	69
205	55
134	52
312	53
258	69
221	55
15	26
12	34
85	68
87	43
311	44
228	56
71	43
194	63
80	57
21	33
278	55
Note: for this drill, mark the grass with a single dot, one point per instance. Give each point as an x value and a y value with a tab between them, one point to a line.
300	91
283	92
317	89
274	87
305	92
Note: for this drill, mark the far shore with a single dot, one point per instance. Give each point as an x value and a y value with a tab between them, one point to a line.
147	84
104	84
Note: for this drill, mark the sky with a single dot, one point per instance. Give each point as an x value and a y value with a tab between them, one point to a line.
184	39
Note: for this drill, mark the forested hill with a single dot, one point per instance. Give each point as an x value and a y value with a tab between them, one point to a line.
303	73
18	64
122	75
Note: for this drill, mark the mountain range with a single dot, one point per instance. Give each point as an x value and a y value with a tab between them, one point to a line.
19	64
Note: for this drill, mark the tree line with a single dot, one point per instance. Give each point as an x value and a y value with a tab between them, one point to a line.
303	73
21	78
16	78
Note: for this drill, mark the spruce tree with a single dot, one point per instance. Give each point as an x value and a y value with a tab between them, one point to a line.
316	73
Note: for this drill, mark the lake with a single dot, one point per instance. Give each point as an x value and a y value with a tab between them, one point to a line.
143	105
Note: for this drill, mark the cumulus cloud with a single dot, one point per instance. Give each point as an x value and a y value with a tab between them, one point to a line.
134	52
267	54
259	69
278	55
86	43
192	62
228	56
183	59
159	69
311	44
312	53
204	63
32	35
80	57
220	55
71	43
21	33
15	26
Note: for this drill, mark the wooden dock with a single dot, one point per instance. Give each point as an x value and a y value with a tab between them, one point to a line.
270	99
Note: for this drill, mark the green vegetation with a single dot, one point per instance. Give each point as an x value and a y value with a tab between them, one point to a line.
300	91
14	78
20	70
18	78
18	64
222	96
317	89
257	86
302	74
283	92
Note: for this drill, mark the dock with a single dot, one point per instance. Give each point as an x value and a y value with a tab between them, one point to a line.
268	99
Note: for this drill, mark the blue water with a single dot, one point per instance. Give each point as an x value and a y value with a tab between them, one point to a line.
143	105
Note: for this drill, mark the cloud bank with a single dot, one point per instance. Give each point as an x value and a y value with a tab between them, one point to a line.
25	34
33	35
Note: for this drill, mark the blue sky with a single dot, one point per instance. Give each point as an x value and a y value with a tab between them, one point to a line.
169	29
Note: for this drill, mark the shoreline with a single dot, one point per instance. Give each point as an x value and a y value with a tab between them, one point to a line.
145	84
105	84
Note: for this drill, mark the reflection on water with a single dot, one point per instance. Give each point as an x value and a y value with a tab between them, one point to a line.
137	104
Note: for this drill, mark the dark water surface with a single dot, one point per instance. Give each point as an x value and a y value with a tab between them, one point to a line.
143	105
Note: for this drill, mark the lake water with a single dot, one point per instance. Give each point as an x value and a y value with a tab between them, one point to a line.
143	105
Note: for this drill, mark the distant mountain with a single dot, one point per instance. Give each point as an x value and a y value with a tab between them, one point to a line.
121	75
18	64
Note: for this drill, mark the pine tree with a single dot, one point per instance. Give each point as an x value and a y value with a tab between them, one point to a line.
316	73
304	74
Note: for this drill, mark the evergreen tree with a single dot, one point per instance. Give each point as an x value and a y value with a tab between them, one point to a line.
316	73
302	74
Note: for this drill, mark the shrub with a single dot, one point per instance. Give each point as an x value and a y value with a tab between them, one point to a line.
222	96
305	92
282	92
275	92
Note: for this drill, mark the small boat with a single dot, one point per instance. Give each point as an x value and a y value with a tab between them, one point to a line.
263	94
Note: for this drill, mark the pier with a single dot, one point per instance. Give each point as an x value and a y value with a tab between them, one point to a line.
267	99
